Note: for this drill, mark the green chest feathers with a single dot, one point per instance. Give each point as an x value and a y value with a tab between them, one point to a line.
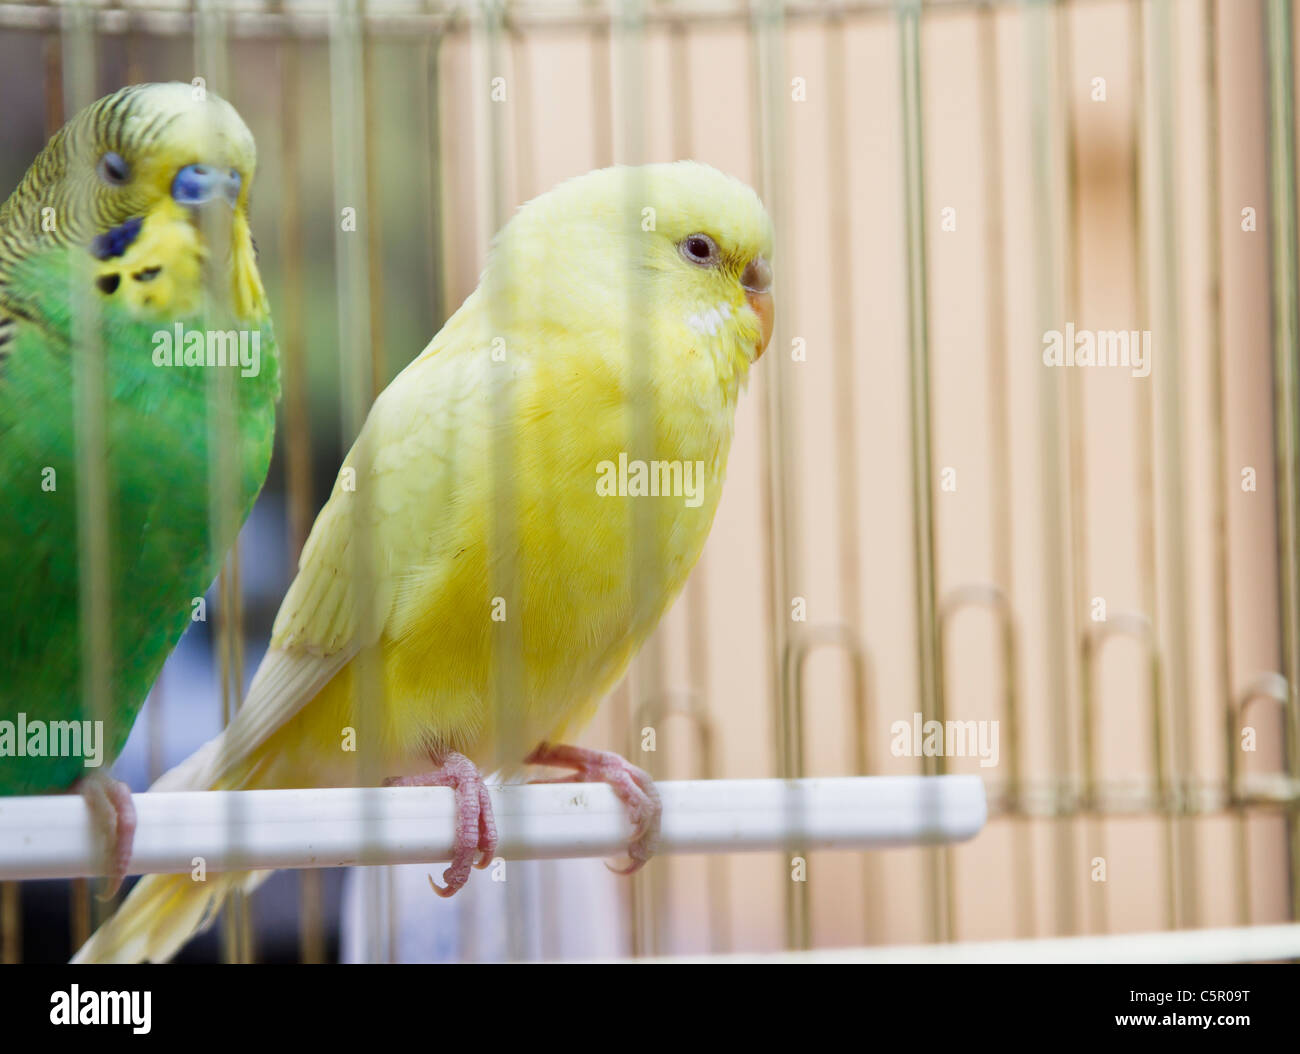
116	522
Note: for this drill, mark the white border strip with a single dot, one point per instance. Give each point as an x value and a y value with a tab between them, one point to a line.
1238	944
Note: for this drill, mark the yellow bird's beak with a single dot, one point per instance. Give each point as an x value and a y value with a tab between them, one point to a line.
757	281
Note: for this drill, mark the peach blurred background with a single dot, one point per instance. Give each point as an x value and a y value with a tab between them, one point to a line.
1123	212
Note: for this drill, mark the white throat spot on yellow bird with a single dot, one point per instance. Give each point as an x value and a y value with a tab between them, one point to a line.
710	322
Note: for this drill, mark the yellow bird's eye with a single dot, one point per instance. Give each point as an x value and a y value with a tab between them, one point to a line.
113	169
700	250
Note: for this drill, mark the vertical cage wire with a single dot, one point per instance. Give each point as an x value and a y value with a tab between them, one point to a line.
349	100
77	67
1171	443
1048	308
1078	805
919	399
1218	427
296	408
210	44
1286	345
780	492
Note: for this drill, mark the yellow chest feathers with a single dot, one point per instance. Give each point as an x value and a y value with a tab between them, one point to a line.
163	271
552	573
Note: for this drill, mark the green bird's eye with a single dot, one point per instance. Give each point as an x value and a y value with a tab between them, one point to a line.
113	169
699	249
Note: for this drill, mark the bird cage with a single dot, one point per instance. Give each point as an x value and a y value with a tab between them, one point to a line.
1022	458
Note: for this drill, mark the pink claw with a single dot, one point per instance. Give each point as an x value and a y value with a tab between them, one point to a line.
634	787
476	828
113	808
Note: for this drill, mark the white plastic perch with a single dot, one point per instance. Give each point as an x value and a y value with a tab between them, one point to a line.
51	837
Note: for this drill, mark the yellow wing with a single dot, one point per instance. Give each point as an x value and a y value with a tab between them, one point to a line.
380	528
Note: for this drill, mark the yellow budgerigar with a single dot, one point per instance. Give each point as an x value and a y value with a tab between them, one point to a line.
522	505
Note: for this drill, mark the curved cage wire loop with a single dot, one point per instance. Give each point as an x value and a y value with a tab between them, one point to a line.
654	712
1253	789
1094	799
992	598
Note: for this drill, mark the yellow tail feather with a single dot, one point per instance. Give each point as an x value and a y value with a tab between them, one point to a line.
161	913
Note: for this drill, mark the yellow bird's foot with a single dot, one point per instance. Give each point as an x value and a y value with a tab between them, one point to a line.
113	809
634	787
476	827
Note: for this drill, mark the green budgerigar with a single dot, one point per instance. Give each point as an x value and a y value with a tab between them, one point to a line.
138	381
